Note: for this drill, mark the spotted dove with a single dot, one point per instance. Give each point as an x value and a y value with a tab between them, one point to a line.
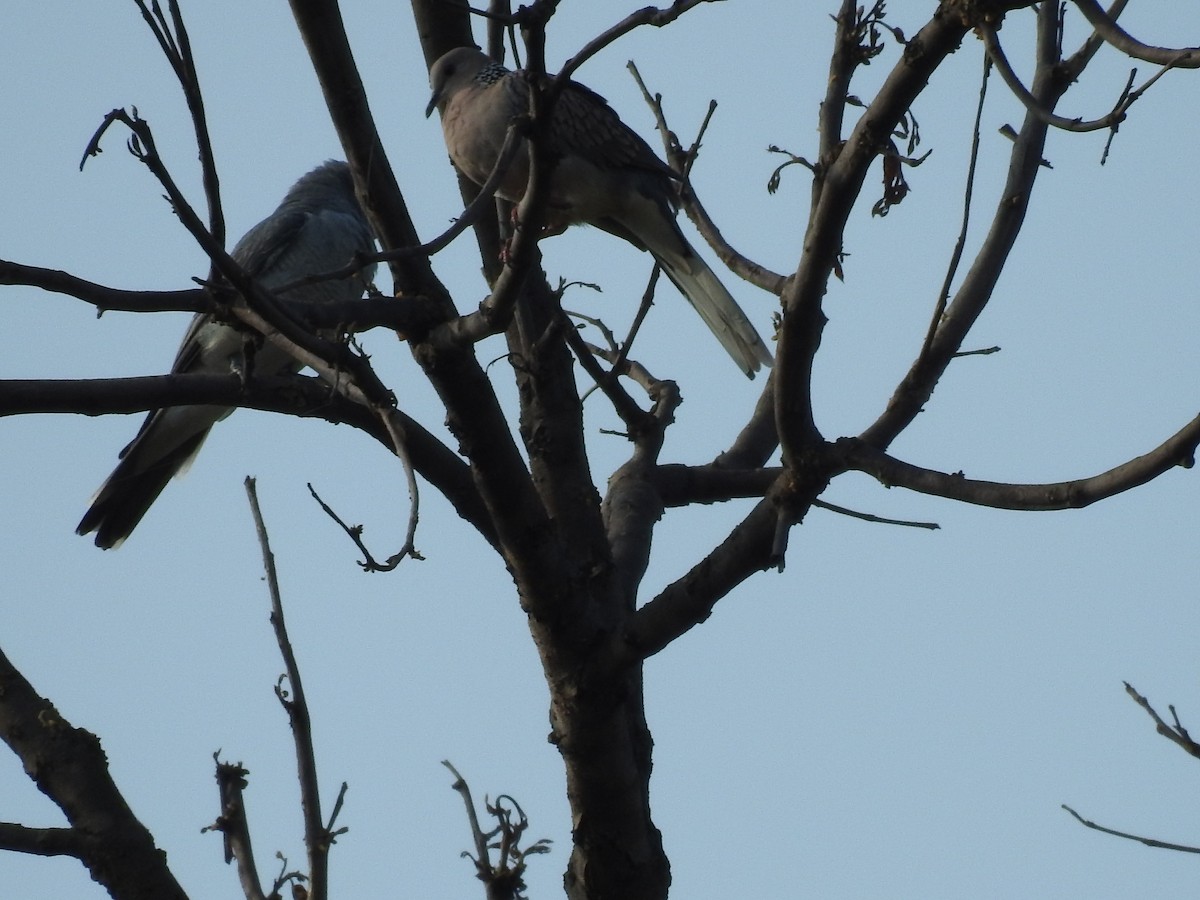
317	228
605	175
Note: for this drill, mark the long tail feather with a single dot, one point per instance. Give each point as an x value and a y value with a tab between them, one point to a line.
716	306
145	468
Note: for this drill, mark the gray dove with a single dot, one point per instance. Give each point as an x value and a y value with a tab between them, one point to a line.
317	228
605	176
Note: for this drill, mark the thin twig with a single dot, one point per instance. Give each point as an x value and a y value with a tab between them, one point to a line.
1149	842
177	48
639	317
869	517
477	835
395	429
635	418
368	563
317	838
1177	734
960	244
741	265
646	16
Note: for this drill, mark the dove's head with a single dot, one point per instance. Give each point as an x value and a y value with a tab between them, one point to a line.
454	71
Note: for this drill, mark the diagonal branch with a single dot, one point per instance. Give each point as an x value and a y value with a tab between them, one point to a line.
177	48
647	16
1078	61
843	62
975	290
69	766
739	264
324	33
1149	842
688	601
961	242
1176	733
758	439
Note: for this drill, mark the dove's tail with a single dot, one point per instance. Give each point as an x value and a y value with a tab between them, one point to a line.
164	448
721	313
716	306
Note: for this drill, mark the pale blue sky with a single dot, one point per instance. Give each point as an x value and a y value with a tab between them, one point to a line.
899	714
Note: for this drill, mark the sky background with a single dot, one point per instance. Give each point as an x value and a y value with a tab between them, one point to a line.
898	714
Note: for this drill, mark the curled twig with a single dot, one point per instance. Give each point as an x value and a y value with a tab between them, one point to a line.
368	563
1107	28
1111	121
505	878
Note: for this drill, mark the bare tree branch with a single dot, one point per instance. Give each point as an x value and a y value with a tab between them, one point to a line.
324	33
1107	28
412	316
682	161
647	16
1177	734
682	485
1079	60
848	54
635	418
977	286
1149	842
689	600
758	439
102	297
1111	120
234	827
317	836
504	879
41	841
294	395
177	48
632	505
961	242
68	765
1178	450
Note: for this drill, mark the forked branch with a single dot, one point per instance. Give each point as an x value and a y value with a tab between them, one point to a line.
69	766
319	836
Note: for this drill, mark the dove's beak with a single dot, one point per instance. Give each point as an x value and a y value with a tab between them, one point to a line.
432	105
